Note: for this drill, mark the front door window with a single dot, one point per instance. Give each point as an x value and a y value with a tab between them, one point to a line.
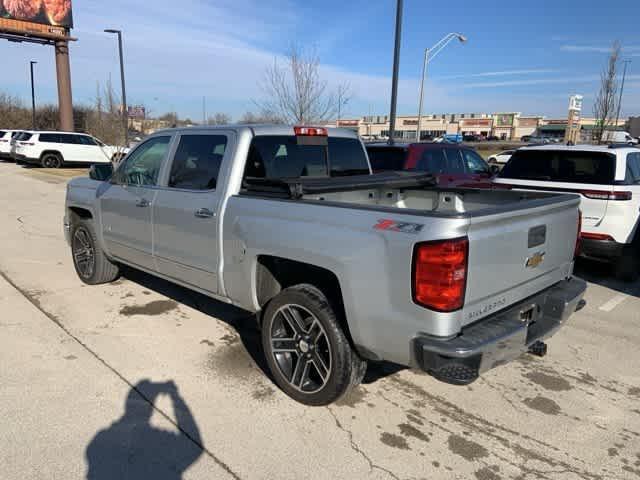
142	167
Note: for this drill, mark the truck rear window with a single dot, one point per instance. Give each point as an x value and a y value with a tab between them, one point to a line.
281	156
387	158
561	166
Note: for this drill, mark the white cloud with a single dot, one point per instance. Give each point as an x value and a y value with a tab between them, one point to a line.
577	79
503	73
626	49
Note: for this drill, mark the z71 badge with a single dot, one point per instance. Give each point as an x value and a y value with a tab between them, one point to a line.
400	227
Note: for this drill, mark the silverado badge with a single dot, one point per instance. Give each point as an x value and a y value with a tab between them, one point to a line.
535	260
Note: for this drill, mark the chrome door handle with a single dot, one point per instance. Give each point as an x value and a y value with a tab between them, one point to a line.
143	202
203	213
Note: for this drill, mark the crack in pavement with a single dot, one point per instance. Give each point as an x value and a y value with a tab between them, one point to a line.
33	300
357	449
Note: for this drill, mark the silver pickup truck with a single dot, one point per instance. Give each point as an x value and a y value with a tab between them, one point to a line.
341	266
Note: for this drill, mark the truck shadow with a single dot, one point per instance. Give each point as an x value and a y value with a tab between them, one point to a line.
242	321
603	274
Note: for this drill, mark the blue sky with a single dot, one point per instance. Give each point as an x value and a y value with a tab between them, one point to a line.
520	57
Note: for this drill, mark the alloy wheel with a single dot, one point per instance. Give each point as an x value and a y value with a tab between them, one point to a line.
301	349
83	253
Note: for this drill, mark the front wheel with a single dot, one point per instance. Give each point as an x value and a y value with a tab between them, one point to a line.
308	354
91	264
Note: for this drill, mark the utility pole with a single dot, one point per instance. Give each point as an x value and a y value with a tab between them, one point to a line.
125	113
624	75
204	111
396	68
33	98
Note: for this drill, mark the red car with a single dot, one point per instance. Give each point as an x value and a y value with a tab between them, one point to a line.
454	165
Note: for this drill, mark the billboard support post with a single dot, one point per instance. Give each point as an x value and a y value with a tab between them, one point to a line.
33	97
63	71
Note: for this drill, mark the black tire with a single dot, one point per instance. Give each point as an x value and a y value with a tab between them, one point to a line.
345	368
52	160
98	268
628	265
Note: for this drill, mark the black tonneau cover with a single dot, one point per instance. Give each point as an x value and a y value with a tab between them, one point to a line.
297	187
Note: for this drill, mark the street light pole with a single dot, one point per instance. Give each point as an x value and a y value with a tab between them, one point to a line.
424	74
125	115
33	98
396	68
430	54
624	75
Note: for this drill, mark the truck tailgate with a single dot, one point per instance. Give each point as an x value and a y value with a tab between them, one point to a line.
513	255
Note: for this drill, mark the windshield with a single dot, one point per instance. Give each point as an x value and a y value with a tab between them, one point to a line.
283	156
561	166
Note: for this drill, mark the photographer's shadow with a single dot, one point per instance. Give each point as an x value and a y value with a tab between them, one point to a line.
131	448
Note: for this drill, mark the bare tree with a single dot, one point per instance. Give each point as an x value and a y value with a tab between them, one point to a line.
343	95
219	119
262	117
295	91
605	105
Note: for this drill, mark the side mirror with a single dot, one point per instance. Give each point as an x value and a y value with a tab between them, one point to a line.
494	170
101	172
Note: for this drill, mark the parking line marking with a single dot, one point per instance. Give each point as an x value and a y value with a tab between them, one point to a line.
613	303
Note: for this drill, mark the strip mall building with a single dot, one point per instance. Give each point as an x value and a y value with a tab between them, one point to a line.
509	126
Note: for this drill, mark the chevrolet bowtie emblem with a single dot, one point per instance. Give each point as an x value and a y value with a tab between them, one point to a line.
535	260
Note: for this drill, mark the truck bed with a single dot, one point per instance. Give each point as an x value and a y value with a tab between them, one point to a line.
413	193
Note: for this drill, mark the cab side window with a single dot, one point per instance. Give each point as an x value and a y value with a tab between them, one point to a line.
142	167
196	164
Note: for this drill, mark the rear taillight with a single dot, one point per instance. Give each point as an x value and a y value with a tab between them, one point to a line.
596	236
606	195
577	251
310	131
440	274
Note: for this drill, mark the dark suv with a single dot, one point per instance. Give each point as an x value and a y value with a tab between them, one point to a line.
454	165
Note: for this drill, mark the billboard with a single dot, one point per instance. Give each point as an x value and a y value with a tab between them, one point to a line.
137	111
575	102
505	119
55	13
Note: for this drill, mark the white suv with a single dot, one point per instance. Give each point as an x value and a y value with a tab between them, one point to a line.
608	181
5	143
54	149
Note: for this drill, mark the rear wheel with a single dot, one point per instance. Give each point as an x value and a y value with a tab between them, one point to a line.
52	160
308	354
89	260
628	265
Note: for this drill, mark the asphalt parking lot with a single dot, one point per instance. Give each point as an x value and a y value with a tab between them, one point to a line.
142	379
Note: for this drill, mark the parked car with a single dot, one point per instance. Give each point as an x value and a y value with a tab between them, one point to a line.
500	158
55	149
493	138
22	135
5	143
538	140
449	138
615	136
453	165
608	182
526	138
340	266
471	138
